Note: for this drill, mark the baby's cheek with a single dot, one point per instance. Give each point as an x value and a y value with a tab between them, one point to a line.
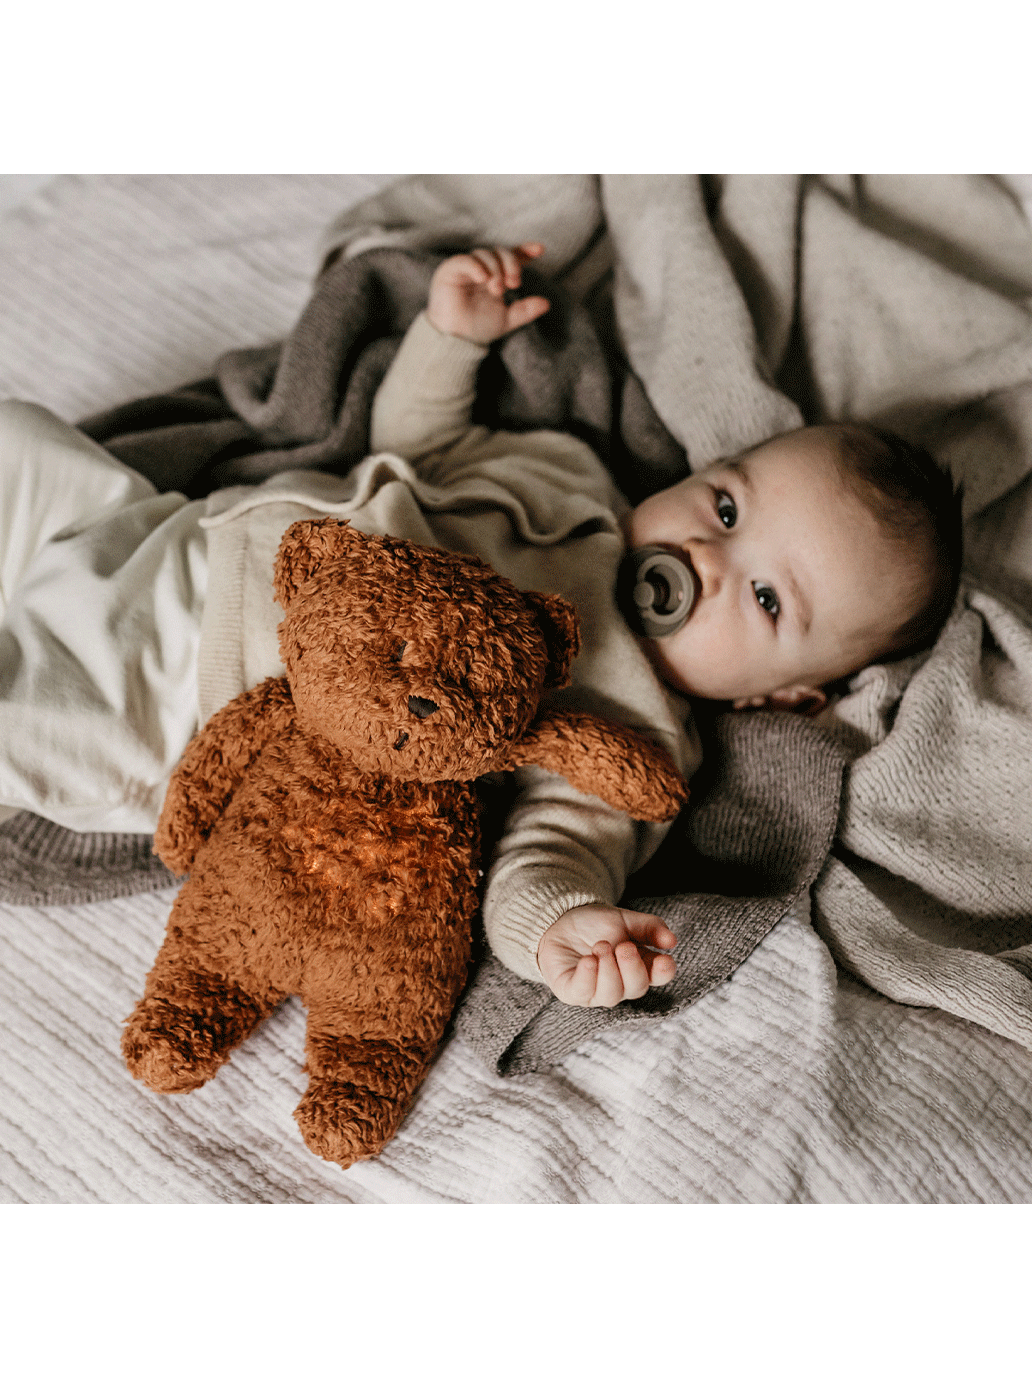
672	664
718	662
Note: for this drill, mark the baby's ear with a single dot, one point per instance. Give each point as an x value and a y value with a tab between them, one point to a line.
305	546
797	698
560	627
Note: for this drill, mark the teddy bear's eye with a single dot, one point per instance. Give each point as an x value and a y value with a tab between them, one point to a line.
397	651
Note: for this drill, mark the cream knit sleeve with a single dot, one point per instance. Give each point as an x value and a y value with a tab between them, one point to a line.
560	849
424	402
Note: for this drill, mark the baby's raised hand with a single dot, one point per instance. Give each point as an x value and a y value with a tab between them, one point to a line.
598	955
467	294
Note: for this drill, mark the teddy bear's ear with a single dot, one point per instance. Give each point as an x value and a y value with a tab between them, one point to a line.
304	547
559	624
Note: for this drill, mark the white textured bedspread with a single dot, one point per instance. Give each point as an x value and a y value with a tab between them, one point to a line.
789	1083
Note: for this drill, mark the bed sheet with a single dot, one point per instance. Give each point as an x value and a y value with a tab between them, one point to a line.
791	1082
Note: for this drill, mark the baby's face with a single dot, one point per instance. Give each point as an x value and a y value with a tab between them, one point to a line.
797	583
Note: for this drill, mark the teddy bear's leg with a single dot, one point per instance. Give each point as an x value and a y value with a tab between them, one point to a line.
359	1088
189	1019
379	997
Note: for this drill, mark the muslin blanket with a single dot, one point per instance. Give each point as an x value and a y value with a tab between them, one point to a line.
695	316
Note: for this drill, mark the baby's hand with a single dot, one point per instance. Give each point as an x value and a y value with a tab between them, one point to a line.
597	955
467	294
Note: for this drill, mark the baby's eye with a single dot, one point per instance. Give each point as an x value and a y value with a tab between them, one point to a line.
767	599
726	509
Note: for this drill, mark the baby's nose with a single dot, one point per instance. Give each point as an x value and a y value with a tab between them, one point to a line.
708	565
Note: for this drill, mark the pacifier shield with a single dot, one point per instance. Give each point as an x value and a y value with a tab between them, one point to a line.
655	590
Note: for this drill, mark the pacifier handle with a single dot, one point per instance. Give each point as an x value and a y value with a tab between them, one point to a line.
656	591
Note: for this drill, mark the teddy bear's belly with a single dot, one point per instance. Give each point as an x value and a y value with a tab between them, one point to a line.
312	867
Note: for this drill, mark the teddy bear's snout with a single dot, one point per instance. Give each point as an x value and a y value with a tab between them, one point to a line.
421	708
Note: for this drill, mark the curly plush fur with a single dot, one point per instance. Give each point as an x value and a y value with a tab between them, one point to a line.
329	823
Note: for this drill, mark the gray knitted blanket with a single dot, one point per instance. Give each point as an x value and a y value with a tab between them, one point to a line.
694	317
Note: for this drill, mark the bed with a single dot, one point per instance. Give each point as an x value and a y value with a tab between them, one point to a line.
793	1080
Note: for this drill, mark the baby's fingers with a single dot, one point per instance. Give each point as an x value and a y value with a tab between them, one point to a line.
578	988
609	986
497	279
638	970
462	268
646	928
504	266
661	968
633	972
652	933
512	266
525	310
512	260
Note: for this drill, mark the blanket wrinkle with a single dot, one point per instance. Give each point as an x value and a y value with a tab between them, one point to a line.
928	896
916	210
686	324
693	317
757	227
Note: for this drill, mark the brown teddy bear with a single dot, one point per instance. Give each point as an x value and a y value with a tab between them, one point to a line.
330	828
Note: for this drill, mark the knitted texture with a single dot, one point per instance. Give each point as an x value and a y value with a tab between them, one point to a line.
41	863
927	895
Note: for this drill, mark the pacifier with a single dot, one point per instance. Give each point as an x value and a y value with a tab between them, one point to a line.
656	591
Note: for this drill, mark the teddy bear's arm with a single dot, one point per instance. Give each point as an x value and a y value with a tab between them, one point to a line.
622	767
212	767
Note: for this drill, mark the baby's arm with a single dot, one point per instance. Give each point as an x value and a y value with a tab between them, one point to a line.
424	403
594	953
551	898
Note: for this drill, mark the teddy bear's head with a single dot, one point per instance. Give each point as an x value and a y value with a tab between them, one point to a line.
414	662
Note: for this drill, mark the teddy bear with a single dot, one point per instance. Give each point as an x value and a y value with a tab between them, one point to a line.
329	822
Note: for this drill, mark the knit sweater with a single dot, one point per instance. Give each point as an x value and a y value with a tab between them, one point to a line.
542	510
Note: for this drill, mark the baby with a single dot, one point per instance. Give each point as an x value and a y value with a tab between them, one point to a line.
808	556
812	555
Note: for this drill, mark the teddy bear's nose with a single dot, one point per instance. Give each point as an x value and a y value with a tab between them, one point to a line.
422	708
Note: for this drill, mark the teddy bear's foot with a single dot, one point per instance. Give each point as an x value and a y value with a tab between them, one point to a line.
344	1123
178	1043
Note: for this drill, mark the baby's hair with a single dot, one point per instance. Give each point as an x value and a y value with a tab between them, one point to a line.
918	506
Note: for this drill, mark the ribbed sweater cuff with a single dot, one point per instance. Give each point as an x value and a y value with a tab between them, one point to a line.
516	923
